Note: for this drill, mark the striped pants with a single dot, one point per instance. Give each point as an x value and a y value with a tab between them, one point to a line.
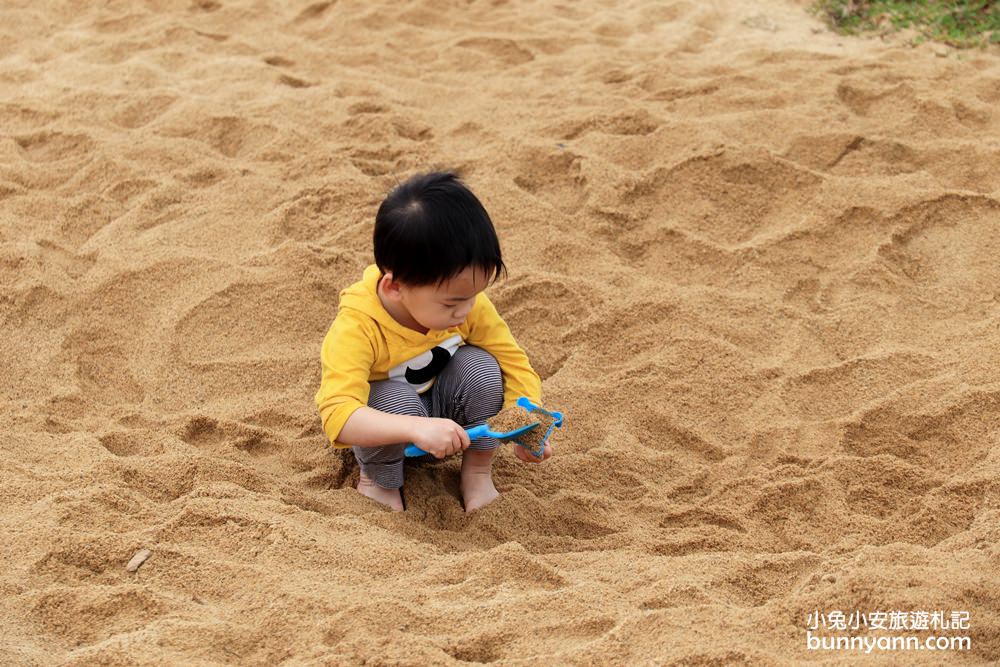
469	390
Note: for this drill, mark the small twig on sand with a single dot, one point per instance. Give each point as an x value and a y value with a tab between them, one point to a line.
138	559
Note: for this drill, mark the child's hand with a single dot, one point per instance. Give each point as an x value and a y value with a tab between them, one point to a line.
440	437
525	454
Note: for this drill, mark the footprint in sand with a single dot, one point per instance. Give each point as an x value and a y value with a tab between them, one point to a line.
636	122
130	443
538	307
229	135
552	174
948	247
50	146
728	198
505	51
102	361
19	118
143	112
214	435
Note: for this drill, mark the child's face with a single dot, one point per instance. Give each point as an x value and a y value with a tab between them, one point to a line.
441	306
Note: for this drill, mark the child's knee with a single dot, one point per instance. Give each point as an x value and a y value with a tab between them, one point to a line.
481	369
478	355
395	397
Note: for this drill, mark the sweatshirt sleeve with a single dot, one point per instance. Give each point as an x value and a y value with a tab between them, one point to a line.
347	356
488	331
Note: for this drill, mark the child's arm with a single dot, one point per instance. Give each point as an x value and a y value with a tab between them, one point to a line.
347	356
368	427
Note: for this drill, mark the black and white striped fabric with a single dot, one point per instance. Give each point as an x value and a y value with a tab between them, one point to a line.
468	391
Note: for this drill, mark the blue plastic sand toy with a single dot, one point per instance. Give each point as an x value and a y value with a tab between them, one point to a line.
484	430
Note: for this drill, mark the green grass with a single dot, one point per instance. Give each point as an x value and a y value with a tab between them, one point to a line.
960	23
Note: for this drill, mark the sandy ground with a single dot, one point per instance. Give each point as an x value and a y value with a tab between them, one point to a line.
755	263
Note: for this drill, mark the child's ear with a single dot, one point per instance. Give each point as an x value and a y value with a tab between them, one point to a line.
390	286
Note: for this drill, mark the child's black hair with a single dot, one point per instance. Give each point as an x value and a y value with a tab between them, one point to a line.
431	227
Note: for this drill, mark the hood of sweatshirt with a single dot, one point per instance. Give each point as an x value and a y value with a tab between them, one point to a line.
362	296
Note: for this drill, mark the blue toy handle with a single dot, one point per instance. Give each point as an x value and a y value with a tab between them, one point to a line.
484	429
473	431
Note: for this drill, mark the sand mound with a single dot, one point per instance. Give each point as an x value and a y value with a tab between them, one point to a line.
754	263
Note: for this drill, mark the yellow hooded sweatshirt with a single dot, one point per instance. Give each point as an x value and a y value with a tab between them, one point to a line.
365	344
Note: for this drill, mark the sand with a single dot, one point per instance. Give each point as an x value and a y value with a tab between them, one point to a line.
515	417
755	264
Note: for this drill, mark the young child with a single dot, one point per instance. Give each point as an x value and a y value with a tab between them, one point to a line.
417	351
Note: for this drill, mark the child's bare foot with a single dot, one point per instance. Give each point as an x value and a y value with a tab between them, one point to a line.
477	480
390	497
